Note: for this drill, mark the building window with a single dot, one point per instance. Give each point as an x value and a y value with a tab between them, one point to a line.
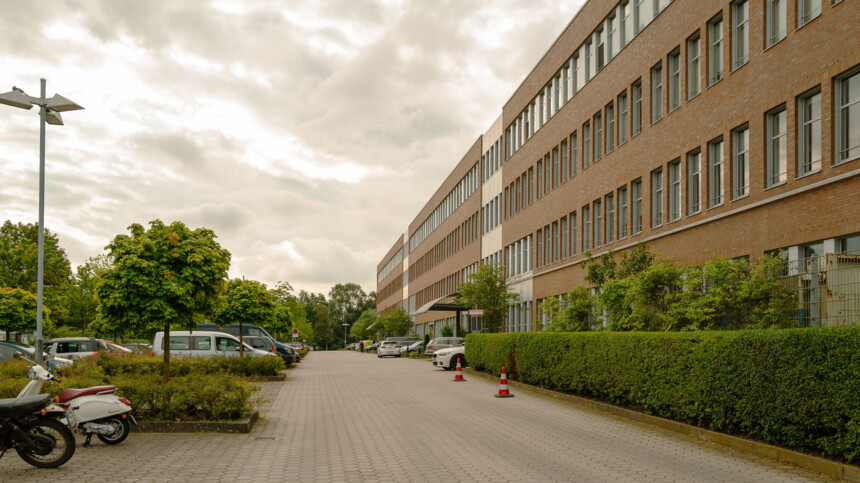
572	233
610	36
610	127
741	163
807	10
588	69
539	179
675	190
622	118
586	228
740	27
558	101
637	206
564	161
656	92
574	81
622	213
847	99
674	80
716	174
565	82
777	153
637	107
809	136
598	223
563	241
539	254
694	183
547	174
531	186
775	21
547	245
556	168
656	198
554	241
600	54
626	25
715	50
598	139
694	70
609	202
586	145
573	154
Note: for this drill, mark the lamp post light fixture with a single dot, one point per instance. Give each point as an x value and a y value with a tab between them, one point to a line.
345	325
49	111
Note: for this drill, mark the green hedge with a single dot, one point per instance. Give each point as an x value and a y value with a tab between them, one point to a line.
214	388
797	388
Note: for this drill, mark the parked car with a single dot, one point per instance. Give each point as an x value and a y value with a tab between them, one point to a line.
373	347
402	341
117	348
388	348
74	347
415	347
263	343
443	343
202	343
138	347
8	349
447	358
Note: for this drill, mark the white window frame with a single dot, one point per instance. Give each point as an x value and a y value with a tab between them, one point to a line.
776	21
636	188
636	107
716	173
741	163
715	50
808	133
844	107
675	190
777	147
622	118
657	92
694	183
694	67
609	133
807	11
622	213
740	33
609	204
674	62
657	198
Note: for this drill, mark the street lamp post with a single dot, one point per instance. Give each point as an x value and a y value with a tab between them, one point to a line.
49	111
345	325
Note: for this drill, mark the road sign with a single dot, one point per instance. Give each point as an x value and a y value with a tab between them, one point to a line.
476	312
295	332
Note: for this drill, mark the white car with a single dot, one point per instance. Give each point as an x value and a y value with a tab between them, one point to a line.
388	348
201	343
415	347
447	358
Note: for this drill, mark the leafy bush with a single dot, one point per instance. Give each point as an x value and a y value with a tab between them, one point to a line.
115	364
798	388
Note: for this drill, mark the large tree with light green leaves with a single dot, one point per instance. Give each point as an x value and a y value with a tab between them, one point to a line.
18	312
168	276
487	290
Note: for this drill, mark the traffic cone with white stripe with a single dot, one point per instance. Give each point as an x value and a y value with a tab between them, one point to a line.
503	386
458	376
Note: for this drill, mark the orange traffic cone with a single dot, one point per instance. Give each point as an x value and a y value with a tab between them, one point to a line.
458	376
503	386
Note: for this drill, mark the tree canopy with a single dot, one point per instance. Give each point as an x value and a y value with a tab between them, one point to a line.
487	289
18	311
167	276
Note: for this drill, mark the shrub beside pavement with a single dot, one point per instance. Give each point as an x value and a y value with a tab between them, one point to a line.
200	389
798	388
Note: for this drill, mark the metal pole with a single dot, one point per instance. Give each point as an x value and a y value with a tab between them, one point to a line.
41	266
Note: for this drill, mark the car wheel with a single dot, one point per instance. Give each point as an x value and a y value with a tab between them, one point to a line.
378	356
454	361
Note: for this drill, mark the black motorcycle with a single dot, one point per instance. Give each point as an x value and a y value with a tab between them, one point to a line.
28	425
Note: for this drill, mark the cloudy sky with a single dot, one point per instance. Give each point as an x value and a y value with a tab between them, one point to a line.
306	134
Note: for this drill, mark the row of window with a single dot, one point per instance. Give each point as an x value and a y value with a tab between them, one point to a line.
460	237
494	258
612	35
389	266
519	317
491	160
518	258
491	214
393	287
458	195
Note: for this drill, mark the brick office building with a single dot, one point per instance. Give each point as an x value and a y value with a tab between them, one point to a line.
697	127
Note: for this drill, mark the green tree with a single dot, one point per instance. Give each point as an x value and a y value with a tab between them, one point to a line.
310	300
19	256
167	276
359	329
18	312
487	289
395	323
247	302
322	329
570	314
80	293
347	301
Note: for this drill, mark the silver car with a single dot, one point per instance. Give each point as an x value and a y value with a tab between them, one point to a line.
388	348
74	347
443	343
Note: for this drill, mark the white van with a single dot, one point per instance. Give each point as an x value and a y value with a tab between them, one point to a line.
184	343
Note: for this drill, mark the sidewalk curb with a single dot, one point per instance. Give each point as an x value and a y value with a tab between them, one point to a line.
808	462
243	426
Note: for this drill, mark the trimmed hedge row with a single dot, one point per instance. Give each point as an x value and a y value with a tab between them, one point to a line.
208	389
798	388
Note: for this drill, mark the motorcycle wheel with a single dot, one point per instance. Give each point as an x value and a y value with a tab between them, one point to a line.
54	444
120	433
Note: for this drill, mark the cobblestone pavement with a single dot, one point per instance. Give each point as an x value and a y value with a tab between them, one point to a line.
347	416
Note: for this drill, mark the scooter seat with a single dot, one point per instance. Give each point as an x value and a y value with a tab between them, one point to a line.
70	394
25	406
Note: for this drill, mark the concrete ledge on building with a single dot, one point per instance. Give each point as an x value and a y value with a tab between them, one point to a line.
824	466
242	426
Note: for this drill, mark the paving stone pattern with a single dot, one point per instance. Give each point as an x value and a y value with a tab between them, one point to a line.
347	416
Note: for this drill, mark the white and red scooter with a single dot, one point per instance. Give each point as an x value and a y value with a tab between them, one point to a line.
94	410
